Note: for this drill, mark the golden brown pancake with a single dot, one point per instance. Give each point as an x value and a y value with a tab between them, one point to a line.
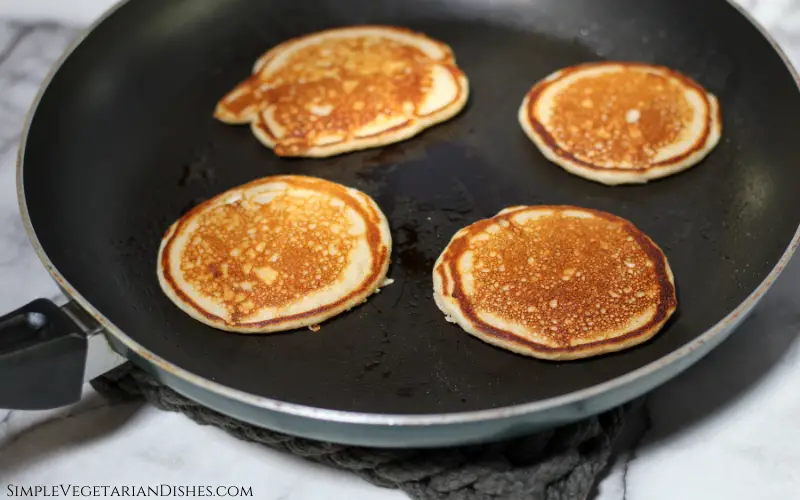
275	254
620	122
555	282
346	89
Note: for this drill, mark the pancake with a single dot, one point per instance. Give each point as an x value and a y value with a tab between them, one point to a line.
555	282
275	254
347	89
621	122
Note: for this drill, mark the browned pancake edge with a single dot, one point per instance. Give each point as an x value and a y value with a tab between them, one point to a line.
251	96
666	305
539	129
372	220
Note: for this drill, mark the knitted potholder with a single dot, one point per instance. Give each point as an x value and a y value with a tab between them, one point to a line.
558	464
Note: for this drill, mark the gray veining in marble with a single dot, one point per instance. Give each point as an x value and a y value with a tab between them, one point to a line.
26	55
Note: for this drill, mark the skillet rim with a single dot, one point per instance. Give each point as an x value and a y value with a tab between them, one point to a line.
713	336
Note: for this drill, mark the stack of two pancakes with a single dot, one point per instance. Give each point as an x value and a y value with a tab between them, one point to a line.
553	282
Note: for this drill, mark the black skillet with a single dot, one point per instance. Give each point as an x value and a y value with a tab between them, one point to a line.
122	142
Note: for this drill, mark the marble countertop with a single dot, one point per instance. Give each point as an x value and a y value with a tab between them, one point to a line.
728	428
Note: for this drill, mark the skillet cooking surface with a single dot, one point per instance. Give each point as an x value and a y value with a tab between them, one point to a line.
123	142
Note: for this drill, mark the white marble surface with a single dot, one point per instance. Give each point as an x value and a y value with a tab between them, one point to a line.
726	429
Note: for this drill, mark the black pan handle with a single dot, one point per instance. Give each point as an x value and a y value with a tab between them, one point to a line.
43	352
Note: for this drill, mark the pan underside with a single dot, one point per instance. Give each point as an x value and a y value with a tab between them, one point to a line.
123	142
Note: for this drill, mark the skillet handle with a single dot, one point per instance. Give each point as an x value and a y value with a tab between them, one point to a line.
44	350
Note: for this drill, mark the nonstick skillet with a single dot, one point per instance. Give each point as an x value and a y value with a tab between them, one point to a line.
121	142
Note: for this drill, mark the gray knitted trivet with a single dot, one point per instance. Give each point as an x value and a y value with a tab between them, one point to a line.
561	464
